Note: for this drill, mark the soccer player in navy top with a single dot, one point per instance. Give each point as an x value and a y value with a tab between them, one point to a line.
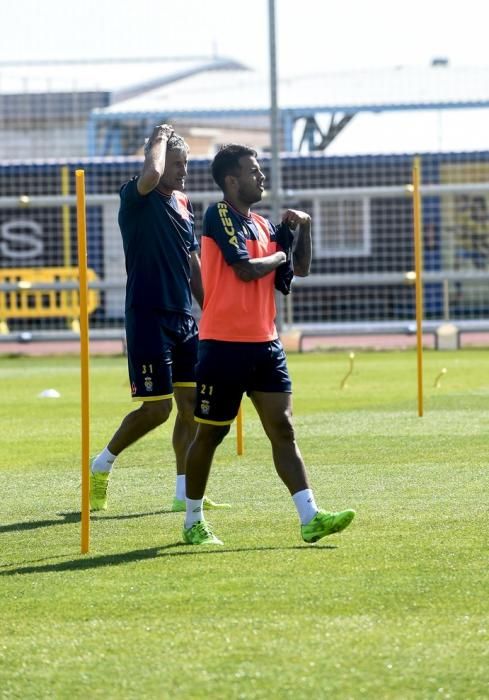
163	272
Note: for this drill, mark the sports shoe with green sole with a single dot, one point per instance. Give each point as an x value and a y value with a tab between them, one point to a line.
98	490
200	533
179	506
325	523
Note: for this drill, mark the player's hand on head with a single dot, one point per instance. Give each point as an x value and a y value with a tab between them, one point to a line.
163	131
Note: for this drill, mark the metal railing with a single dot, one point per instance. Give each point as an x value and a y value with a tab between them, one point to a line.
444	277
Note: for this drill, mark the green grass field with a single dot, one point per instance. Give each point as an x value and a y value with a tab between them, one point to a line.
397	606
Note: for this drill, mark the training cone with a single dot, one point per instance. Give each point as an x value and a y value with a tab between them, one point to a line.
49	394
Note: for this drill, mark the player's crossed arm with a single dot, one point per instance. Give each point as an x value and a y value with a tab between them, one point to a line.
255	268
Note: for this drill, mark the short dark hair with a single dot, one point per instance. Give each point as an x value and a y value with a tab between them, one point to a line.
226	161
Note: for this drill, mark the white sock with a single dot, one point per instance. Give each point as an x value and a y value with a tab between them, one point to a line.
103	462
180	487
194	511
306	505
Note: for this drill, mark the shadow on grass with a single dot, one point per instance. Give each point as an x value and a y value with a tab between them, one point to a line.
36	561
73	517
88	562
66	518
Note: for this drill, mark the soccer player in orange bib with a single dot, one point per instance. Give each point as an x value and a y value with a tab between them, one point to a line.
244	259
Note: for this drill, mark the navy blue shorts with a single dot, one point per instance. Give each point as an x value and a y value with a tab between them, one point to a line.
161	352
225	371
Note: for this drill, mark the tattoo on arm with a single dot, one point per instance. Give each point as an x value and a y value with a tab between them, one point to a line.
303	251
249	270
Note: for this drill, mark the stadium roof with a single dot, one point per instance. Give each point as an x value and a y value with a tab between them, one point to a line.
246	92
209	90
121	78
232	95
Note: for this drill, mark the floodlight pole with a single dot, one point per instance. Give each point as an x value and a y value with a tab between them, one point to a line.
418	255
275	132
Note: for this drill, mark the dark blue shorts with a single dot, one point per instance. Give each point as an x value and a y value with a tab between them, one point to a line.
161	352
225	371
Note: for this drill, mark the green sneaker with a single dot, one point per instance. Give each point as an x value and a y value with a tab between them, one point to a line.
179	506
325	523
211	505
98	490
200	533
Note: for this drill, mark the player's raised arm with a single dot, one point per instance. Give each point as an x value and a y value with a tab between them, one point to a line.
154	158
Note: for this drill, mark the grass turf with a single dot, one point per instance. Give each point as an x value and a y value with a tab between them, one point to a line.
395	607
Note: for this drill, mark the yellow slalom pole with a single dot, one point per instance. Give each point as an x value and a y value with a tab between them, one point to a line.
350	371
84	359
65	209
439	376
239	431
418	261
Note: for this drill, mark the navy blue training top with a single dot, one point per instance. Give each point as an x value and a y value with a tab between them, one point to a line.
158	237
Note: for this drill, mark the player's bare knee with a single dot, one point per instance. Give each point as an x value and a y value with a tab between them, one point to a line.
187	415
157	412
281	431
223	431
219	433
213	435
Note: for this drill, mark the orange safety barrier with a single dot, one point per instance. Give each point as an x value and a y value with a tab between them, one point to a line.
25	302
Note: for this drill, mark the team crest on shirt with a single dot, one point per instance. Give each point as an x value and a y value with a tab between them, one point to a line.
205	407
148	384
182	200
